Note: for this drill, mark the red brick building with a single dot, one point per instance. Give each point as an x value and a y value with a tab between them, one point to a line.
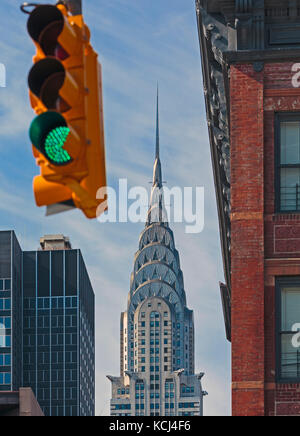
251	67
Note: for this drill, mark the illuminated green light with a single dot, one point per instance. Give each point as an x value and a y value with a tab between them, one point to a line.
54	143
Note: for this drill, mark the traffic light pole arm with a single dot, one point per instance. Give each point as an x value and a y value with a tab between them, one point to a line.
75	6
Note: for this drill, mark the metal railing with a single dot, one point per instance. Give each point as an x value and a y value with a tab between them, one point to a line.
290	198
290	365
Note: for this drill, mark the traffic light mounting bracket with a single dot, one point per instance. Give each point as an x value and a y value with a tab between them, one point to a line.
74	6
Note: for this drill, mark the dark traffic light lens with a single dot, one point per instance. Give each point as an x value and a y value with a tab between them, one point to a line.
45	24
54	144
45	80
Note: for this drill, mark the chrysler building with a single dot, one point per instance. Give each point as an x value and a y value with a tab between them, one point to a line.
157	370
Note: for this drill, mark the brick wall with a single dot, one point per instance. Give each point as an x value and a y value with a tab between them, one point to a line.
247	225
264	244
282	235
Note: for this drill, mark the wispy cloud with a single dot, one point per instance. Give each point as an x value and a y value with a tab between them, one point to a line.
139	43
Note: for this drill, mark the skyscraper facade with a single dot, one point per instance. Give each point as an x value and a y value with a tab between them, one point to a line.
157	331
10	312
47	331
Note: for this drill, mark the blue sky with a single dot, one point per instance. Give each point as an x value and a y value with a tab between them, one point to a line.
139	43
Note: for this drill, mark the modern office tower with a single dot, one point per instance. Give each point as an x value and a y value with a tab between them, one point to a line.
10	312
51	288
250	62
59	329
157	330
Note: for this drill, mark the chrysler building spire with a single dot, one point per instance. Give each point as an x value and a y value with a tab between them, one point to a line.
157	175
157	127
157	211
157	368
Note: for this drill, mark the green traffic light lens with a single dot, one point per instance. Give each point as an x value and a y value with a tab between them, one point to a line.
54	144
49	133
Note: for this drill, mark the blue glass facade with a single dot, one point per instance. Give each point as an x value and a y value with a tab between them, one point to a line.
10	312
5	337
47	331
59	332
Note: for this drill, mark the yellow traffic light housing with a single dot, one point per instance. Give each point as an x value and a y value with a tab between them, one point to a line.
65	87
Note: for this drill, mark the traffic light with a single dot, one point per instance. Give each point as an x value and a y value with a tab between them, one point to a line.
65	88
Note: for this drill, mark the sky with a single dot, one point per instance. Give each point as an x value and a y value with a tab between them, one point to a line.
139	44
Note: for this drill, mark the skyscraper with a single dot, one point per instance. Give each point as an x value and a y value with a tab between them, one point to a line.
47	325
10	312
157	330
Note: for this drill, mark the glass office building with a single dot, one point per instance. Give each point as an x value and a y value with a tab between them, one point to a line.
10	312
57	329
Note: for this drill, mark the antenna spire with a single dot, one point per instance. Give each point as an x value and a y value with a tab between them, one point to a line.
157	126
157	212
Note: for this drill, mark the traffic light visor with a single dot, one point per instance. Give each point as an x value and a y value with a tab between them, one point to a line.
49	81
48	27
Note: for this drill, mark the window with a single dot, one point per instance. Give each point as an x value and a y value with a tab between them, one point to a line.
5	341
5	323
287	162
121	406
5	304
5	284
186	405
5	359
288	315
5	378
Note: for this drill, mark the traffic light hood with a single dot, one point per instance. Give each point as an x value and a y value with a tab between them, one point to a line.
49	27
49	81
